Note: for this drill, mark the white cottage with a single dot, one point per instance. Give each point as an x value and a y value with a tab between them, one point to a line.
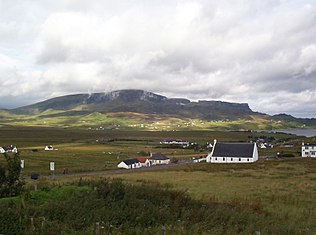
2	150
159	158
129	164
308	150
144	161
49	148
233	153
10	149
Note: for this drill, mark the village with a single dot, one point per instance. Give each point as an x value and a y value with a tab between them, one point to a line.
218	152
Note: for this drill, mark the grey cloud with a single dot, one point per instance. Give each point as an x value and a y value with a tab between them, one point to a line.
260	52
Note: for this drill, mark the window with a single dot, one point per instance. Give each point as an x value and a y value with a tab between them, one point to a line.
247	159
223	159
239	159
231	159
313	153
216	159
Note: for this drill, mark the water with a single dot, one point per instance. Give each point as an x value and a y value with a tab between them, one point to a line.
300	132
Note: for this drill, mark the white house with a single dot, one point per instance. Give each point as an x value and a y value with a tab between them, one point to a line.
129	164
199	159
159	158
308	150
175	142
10	149
2	150
233	153
144	161
49	148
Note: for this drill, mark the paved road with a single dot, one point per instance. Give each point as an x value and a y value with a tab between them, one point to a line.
120	171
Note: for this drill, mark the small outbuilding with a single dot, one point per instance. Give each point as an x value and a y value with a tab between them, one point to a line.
49	148
159	158
2	150
308	150
233	153
129	164
10	149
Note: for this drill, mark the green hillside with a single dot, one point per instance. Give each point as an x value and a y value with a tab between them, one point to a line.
137	109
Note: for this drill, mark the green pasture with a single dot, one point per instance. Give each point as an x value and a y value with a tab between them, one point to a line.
140	121
285	188
83	150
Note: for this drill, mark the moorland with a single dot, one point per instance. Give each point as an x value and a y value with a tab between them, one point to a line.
272	196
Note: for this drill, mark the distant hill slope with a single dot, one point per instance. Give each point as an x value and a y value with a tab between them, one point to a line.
138	101
142	109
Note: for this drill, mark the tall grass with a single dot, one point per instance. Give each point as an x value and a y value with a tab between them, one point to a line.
121	208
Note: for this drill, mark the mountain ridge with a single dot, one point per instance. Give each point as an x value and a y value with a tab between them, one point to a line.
128	107
139	101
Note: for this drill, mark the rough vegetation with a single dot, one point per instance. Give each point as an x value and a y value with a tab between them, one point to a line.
11	183
116	208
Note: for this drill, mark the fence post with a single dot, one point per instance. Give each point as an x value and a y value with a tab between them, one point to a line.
32	227
163	229
97	228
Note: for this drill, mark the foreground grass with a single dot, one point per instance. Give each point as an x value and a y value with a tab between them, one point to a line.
133	209
285	188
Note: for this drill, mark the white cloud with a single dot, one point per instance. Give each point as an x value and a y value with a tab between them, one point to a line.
260	52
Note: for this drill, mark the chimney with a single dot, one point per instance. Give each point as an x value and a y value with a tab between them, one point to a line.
214	142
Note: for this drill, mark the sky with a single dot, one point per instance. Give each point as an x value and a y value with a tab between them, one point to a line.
248	51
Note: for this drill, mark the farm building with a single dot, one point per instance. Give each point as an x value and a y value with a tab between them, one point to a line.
144	161
159	158
199	159
175	142
308	150
2	150
49	148
233	153
129	164
10	149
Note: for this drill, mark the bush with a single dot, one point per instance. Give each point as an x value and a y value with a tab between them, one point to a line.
11	183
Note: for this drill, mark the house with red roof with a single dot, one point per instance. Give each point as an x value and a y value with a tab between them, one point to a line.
144	161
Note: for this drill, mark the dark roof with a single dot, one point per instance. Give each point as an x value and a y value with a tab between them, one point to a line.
233	150
158	156
308	144
130	161
8	148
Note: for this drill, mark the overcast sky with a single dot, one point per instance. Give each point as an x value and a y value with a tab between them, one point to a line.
262	52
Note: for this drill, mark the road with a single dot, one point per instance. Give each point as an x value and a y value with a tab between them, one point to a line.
120	171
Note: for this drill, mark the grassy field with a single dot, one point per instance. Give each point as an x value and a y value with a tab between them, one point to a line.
282	189
285	188
81	150
140	121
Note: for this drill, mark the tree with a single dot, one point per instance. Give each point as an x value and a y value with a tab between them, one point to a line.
11	183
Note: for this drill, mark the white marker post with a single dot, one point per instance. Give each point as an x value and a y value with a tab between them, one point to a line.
22	167
52	168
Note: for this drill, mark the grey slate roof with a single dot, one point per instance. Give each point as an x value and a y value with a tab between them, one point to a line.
241	150
158	156
308	144
130	161
8	148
